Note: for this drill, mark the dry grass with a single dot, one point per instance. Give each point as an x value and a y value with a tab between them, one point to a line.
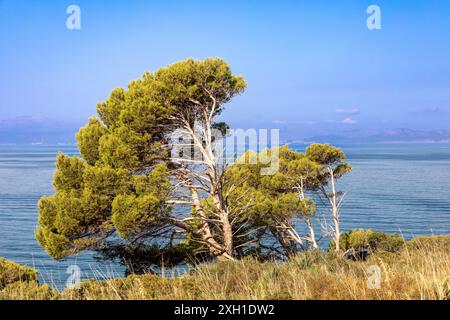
421	270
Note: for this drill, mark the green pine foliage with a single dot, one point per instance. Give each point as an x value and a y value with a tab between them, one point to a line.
122	191
121	182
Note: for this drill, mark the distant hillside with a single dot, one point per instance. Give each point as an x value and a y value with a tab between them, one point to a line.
388	136
40	130
36	130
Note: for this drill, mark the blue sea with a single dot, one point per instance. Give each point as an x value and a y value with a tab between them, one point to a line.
393	188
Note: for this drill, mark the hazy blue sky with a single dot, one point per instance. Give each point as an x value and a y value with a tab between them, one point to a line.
308	64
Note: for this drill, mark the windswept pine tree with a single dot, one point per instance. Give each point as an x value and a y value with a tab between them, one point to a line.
333	166
132	186
126	184
274	203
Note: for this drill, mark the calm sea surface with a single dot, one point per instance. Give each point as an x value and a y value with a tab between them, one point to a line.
393	188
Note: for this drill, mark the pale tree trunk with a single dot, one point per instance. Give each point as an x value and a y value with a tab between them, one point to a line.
334	211
213	174
312	235
288	237
227	229
285	239
205	231
227	235
216	192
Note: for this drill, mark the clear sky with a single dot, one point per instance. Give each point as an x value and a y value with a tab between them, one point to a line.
308	64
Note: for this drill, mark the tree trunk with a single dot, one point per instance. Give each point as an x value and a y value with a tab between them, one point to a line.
285	241
312	235
227	235
216	193
335	211
227	229
205	231
213	170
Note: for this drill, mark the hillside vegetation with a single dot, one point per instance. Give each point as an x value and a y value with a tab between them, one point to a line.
417	269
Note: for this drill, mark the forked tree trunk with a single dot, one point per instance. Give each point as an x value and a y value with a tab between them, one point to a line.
204	144
205	231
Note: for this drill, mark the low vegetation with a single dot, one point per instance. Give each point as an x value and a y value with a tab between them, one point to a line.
417	269
21	283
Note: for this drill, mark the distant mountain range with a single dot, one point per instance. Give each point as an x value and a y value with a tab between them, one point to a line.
387	136
40	130
36	130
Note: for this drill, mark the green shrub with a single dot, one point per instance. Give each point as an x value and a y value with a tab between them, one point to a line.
28	291
372	240
11	272
308	259
424	242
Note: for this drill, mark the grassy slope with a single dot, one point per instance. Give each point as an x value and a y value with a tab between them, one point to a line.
421	270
